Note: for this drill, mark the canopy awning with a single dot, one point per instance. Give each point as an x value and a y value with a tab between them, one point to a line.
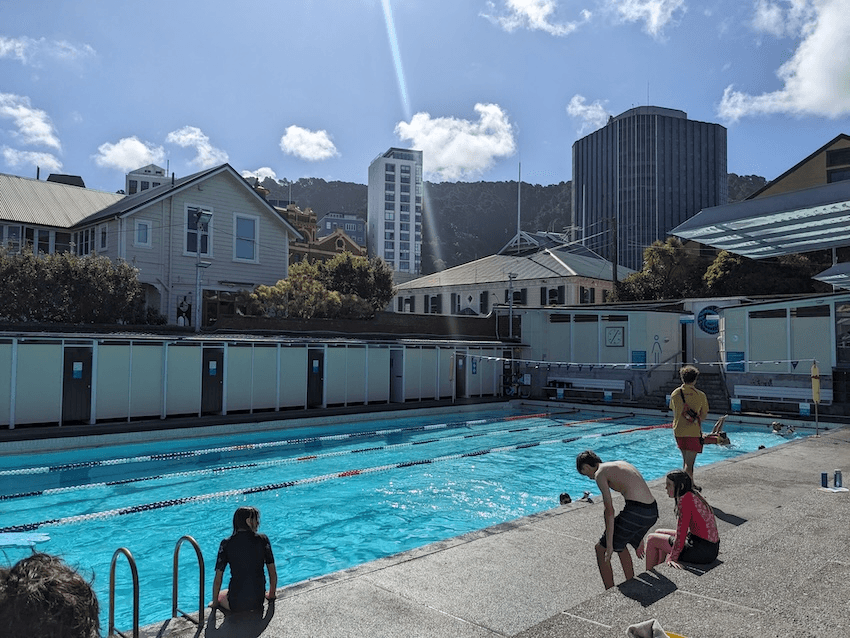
838	275
795	222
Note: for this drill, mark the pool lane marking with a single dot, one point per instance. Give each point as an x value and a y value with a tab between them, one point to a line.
269	444
28	527
275	462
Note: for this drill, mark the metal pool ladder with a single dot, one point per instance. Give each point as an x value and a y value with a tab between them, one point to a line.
174	610
135	572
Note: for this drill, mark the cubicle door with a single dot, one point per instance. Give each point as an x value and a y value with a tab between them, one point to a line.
315	378
460	375
212	383
76	385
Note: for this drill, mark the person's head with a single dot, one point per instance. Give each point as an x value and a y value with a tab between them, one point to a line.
678	484
42	596
689	374
587	463
246	518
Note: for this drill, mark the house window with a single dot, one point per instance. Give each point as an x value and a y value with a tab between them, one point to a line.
62	242
245	231
43	241
102	232
389	216
11	238
145	185
142	233
350	227
134	187
85	241
197	239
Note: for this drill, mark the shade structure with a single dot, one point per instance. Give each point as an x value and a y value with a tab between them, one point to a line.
796	222
838	275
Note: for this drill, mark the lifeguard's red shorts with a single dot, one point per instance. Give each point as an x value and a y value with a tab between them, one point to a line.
689	443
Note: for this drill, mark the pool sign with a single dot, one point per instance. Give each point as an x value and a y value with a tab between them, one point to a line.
708	320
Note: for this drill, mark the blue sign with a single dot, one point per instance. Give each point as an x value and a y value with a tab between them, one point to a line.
735	361
639	359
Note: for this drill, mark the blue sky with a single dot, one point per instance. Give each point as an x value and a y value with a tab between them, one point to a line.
319	88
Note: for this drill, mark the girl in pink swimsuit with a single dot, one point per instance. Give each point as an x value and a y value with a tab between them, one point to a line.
695	539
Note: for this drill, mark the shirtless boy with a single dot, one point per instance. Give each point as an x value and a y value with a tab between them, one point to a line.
632	523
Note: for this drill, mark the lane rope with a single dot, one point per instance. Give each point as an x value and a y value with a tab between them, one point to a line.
28	527
257	446
298	459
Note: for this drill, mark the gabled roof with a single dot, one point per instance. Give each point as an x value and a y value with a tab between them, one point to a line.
793	169
328	242
545	263
794	222
145	198
32	201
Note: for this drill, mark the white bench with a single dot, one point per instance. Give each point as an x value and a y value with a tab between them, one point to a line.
564	382
781	393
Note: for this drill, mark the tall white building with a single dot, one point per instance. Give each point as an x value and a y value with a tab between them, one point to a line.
395	209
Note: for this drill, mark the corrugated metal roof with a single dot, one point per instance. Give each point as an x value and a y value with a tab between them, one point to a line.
544	264
32	201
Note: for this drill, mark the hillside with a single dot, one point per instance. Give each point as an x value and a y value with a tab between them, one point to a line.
466	220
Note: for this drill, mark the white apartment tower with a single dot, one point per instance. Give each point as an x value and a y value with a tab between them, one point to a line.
395	209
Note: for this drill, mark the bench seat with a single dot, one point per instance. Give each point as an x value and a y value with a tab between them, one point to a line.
575	383
780	393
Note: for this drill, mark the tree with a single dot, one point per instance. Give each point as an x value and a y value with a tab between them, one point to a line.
669	272
69	289
732	274
371	280
301	295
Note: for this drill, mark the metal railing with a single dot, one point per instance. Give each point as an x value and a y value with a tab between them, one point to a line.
135	572
174	609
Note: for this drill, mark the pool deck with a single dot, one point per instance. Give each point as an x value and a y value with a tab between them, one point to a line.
783	570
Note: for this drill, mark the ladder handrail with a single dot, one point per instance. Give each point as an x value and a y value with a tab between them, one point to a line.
135	572
174	610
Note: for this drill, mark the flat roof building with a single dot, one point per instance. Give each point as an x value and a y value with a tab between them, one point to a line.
394	209
641	175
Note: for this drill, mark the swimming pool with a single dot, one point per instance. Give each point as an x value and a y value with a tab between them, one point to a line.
331	497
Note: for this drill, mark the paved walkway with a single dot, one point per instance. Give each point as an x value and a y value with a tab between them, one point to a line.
784	570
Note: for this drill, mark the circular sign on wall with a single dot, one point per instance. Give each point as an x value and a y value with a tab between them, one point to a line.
708	321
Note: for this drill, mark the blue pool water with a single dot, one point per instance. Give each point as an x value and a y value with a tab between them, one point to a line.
330	497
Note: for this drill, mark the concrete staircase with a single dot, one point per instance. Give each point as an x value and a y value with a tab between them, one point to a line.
711	384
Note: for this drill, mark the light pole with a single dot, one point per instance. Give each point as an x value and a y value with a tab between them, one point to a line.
202	219
511	277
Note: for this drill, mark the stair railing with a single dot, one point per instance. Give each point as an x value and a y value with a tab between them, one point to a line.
174	609
135	572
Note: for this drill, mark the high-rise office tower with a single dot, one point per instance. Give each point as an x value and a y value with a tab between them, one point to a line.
641	175
395	209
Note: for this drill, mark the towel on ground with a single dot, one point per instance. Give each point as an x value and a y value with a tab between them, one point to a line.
648	629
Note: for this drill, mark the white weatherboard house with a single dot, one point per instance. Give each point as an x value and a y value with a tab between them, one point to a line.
162	232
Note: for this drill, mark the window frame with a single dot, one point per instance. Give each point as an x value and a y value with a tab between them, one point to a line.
137	223
192	209
256	239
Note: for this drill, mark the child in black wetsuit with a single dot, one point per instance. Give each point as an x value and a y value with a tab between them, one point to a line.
247	552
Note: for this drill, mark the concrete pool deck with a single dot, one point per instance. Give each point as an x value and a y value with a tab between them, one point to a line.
783	570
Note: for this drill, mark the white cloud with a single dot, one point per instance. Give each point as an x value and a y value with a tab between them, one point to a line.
655	14
454	149
305	144
816	78
30	51
533	15
193	137
15	158
592	116
33	125
128	154
260	174
785	17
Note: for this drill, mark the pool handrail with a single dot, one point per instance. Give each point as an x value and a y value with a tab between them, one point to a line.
135	572
174	609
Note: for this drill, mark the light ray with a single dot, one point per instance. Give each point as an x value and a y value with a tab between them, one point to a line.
399	69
